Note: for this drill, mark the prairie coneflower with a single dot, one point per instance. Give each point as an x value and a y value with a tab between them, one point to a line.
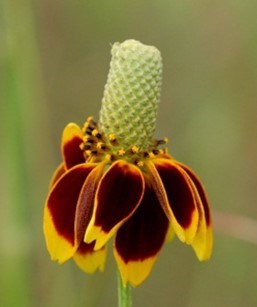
116	180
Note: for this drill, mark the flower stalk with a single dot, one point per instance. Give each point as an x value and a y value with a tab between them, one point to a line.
124	293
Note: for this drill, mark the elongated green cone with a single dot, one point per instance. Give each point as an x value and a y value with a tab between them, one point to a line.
132	94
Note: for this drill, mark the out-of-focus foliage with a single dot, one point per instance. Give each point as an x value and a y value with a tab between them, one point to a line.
54	61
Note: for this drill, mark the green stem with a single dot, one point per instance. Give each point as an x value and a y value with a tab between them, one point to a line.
124	293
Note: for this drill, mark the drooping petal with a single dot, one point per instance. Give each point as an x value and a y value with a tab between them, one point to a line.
57	174
117	197
176	196
59	213
203	241
201	192
139	241
85	203
89	260
199	242
72	137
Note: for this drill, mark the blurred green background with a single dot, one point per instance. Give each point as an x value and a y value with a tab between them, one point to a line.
54	59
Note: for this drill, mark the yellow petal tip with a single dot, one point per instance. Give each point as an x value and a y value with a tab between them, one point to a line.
134	272
96	234
59	249
90	262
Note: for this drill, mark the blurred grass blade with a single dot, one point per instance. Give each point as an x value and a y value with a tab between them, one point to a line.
22	100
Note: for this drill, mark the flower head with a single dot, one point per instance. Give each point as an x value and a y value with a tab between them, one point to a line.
116	180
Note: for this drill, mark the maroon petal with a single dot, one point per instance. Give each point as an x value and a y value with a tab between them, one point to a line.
173	189
85	204
139	241
59	212
72	138
203	241
201	192
118	195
